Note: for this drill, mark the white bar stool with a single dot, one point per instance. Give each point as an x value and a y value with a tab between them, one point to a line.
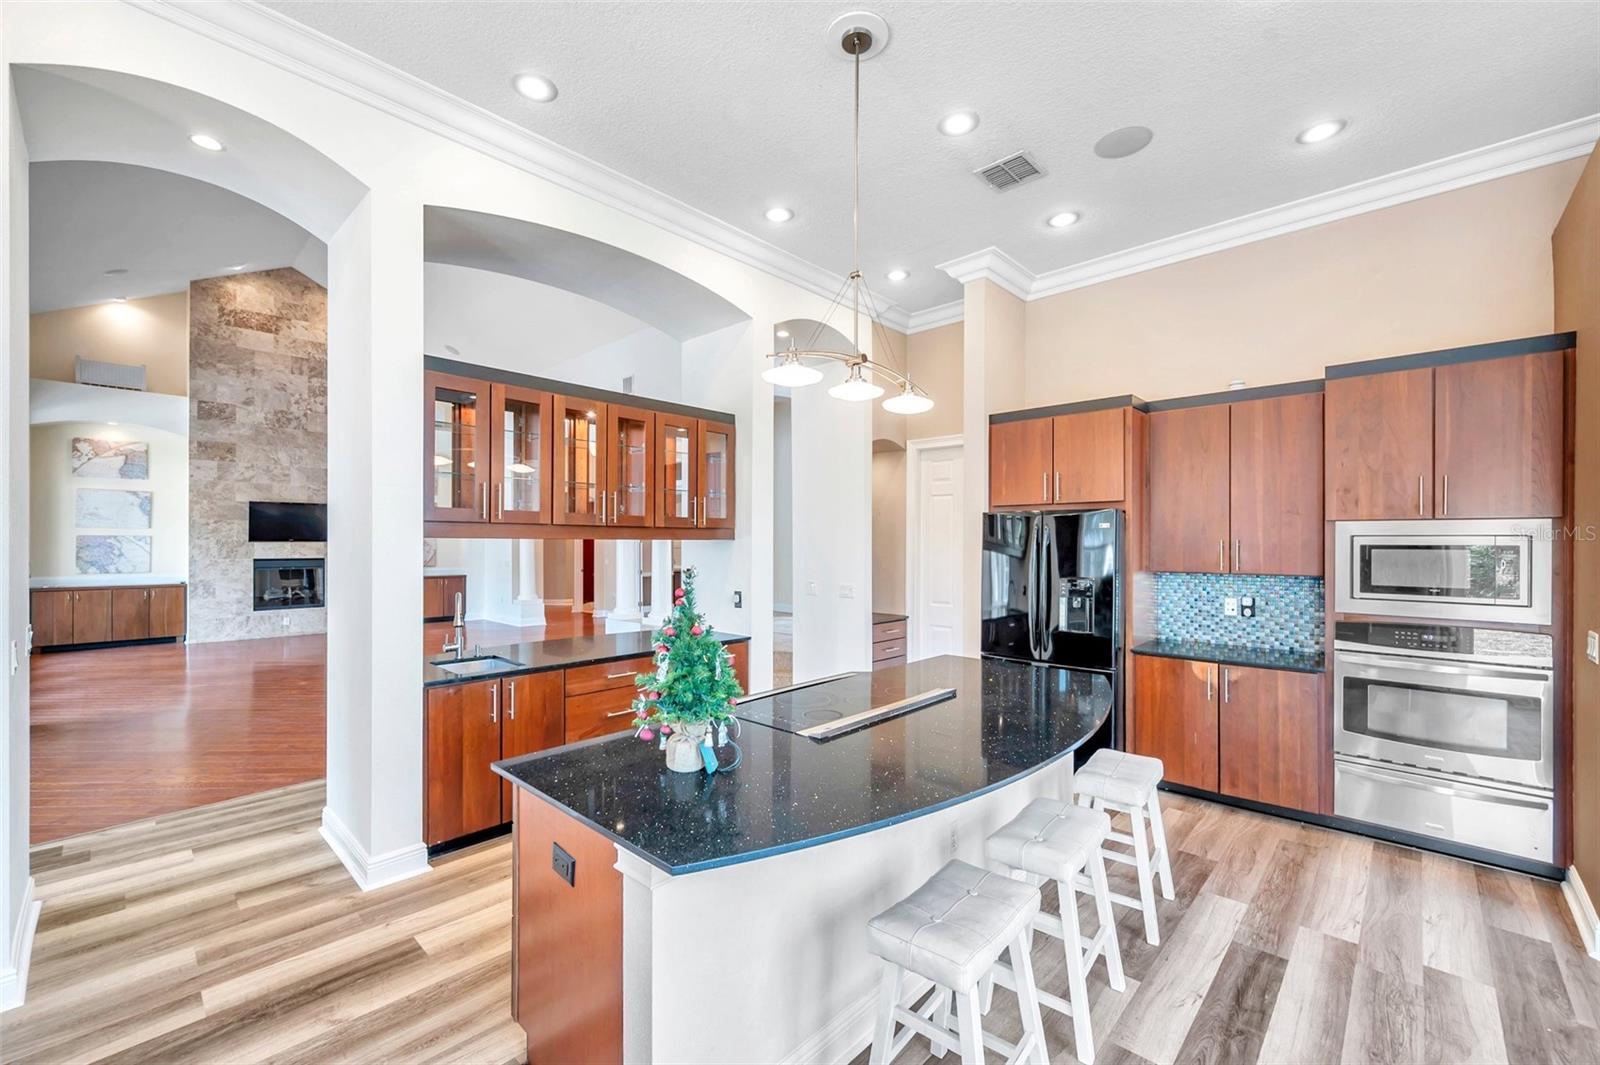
1117	780
1057	841
952	930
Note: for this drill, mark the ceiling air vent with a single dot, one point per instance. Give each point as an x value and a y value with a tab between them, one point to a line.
108	374
1009	172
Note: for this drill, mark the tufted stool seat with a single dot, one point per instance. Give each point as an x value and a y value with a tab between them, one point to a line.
1055	840
952	931
1119	781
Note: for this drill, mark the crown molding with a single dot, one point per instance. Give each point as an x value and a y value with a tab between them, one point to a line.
277	39
1570	140
934	317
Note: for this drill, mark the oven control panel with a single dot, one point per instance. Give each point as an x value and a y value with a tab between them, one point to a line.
1463	641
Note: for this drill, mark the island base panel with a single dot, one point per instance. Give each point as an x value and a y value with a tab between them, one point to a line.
566	984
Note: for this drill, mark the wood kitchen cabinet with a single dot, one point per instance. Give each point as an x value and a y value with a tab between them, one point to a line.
1088	458
1476	439
91	615
68	617
169	611
532	721
1270	736
716	475
130	613
630	465
1020	462
461	738
1189	490
439	593
456	462
677	470
1175	718
521	450
580	461
1498	437
51	616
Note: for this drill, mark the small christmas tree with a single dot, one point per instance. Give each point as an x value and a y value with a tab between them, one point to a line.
694	682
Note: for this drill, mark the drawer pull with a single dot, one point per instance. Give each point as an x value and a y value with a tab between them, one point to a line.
619	713
618	676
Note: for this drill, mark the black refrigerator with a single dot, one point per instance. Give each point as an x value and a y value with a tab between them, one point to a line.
1052	594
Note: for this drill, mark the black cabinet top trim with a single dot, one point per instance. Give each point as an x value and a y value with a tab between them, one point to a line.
565	388
1083	406
1500	349
1237	395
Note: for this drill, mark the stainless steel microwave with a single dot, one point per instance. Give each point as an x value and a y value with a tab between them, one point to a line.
1493	570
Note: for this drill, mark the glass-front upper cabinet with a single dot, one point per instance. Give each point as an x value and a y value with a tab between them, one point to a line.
630	436
580	461
522	446
716	475
677	470
456	466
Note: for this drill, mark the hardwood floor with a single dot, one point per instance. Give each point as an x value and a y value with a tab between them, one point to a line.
232	934
122	733
1290	943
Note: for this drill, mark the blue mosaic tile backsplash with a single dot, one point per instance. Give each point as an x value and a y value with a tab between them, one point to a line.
1289	610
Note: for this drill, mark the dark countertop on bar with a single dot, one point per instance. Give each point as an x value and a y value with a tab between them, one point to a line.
879	618
539	656
1006	720
1228	654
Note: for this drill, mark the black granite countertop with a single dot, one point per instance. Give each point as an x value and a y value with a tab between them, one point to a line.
1006	720
1233	655
537	657
880	618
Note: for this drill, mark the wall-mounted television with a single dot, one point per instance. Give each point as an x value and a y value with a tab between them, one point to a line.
284	522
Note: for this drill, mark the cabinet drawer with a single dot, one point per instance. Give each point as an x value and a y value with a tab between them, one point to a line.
603	676
885	649
598	713
889	630
886	663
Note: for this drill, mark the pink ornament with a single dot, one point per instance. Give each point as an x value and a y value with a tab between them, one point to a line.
695	631
646	734
663	648
679	593
669	631
666	730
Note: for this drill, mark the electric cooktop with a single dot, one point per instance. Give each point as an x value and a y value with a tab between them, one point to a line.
833	706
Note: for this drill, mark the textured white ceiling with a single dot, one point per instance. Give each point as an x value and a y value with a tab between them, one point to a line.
731	107
165	230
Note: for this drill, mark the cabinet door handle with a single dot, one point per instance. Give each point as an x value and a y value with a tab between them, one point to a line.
511	711
485	505
1237	546
616	503
1211	681
1044	485
1420	485
1222	556
1058	486
705	511
1227	686
1446	512
494	703
619	713
694	510
499	502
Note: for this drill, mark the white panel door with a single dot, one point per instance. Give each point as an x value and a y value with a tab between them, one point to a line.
937	611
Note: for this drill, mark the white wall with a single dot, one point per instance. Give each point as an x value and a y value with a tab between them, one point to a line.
53	528
783	504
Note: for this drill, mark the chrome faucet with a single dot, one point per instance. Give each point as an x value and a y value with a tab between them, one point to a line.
457	627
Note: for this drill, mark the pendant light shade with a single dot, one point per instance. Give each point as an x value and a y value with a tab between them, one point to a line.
906	401
790	372
855	387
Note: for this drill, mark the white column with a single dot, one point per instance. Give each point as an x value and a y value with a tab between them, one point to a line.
625	615
605	567
373	817
528	569
660	581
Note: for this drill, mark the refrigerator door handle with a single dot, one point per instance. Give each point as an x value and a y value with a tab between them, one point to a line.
1047	587
1030	558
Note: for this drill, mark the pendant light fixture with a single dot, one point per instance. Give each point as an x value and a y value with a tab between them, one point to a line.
789	368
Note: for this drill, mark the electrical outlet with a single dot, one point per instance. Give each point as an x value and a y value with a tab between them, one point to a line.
565	865
847	591
811	587
1230	606
955	841
1593	647
738	600
1247	606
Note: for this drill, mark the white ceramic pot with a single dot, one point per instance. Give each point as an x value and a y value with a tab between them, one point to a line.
683	747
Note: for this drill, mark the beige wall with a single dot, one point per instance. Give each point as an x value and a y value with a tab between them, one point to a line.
558	569
1463	267
53	528
1576	250
153	331
889	531
935	359
886	426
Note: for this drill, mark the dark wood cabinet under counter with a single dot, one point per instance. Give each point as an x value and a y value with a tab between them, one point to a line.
84	615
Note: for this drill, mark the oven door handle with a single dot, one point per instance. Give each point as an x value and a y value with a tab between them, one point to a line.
1441	784
1417	665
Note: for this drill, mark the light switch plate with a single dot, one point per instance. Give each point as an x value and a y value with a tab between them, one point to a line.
811	587
1230	606
847	591
1593	647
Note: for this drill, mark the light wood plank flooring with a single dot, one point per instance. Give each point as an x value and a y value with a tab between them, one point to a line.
232	934
1289	943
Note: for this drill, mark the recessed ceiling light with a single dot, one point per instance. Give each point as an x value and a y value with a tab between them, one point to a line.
1321	131
206	141
897	275
116	270
113	423
536	87
236	267
1121	143
779	214
1062	220
958	123
119	299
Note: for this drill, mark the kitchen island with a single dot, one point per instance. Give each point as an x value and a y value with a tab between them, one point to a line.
686	917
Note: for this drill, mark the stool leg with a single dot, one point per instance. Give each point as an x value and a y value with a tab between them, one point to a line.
1163	863
941	1017
1077	987
1141	861
1028	995
1102	908
888	999
970	1019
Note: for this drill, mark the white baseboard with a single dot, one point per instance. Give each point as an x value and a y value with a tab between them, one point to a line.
369	871
14	973
850	1032
783	608
1583	912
